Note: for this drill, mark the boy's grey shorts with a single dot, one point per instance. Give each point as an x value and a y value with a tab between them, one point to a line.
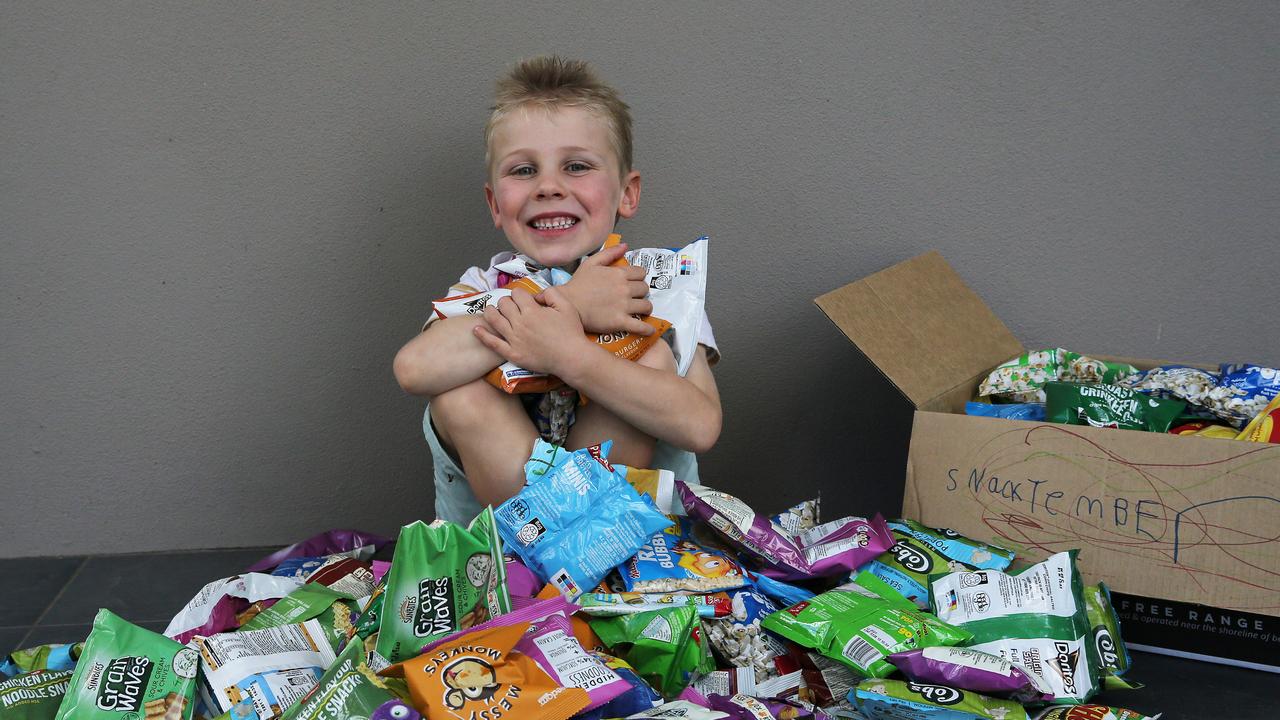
456	503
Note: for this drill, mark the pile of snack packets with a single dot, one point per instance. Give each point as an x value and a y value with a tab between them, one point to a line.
602	591
1239	402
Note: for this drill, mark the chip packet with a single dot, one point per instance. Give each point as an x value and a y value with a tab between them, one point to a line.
907	565
665	647
882	699
1203	428
521	582
980	555
127	672
680	709
973	670
1009	411
1112	654
602	604
827	550
348	689
35	695
860	624
575	519
1035	618
349	576
1253	386
1090	712
673	561
1265	427
478	674
217	606
443	578
638	698
369	618
1109	406
351	543
51	656
747	707
658	484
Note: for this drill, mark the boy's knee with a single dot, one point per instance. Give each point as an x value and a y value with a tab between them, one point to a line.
465	406
659	357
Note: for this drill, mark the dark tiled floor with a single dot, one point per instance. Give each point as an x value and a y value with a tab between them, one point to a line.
44	600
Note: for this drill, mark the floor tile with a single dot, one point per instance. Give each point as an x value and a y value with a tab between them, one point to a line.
9	639
1182	688
144	588
30	584
44	634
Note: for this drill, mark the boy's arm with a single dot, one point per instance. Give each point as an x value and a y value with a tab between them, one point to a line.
444	356
545	334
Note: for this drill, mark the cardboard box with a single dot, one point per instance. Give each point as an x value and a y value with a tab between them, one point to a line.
1185	530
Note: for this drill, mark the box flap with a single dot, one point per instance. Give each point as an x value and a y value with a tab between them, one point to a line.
921	326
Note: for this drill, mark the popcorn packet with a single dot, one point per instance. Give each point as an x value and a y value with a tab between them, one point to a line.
128	673
673	561
739	638
1022	379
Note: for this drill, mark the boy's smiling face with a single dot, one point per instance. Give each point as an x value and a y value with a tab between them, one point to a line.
556	184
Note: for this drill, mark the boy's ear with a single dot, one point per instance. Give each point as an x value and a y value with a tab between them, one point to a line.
630	202
492	200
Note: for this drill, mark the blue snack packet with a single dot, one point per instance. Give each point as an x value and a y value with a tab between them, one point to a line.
575	519
639	698
673	561
785	594
1012	411
299	568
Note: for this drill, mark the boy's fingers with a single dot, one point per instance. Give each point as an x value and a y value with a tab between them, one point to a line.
553	297
607	256
491	341
638	327
640	307
635	272
506	305
495	320
637	288
523	300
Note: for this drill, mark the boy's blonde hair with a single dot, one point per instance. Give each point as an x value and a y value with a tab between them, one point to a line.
551	82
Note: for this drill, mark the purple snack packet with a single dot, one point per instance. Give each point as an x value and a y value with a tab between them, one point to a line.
551	644
828	550
745	707
328	542
968	669
521	582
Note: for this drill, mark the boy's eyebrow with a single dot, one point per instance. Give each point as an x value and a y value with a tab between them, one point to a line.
565	149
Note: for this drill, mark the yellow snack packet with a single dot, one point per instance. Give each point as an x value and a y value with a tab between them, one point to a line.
1266	426
477	675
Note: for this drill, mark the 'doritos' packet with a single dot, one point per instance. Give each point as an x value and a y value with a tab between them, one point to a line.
477	675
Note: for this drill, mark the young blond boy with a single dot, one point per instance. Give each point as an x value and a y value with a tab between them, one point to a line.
558	151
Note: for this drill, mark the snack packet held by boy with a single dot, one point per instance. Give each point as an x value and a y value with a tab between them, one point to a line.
830	549
860	624
575	519
127	672
1034	618
443	578
882	699
478	673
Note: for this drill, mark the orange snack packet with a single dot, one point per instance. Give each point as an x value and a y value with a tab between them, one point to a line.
625	345
1265	427
477	676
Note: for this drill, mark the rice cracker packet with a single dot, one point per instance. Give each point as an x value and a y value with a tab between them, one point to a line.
479	675
128	672
34	695
443	578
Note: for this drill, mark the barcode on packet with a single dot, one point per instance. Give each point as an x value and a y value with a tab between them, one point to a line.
861	653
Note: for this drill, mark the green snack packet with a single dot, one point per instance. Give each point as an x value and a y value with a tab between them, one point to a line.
665	647
371	613
1109	406
52	656
881	699
348	689
443	578
1113	656
955	546
127	672
860	624
34	695
907	565
1023	378
310	601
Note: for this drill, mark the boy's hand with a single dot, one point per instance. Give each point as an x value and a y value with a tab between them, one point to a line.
607	298
543	334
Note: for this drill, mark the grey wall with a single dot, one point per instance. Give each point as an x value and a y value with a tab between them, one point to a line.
219	222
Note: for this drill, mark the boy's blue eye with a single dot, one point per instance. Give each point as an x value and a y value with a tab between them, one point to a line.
522	170
578	167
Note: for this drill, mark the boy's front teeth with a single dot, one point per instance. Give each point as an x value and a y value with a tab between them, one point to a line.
554	223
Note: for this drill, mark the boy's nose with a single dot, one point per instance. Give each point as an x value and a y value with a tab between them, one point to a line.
549	187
